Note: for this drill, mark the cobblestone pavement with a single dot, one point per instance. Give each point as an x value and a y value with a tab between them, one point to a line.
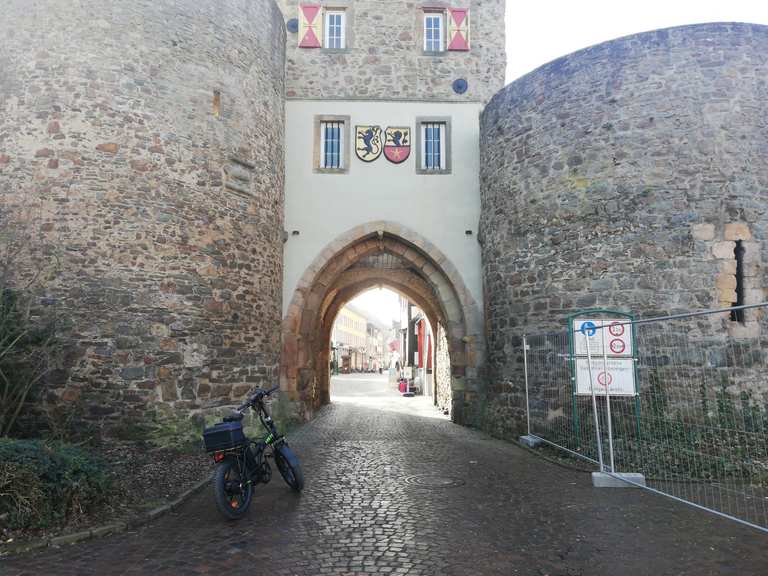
400	490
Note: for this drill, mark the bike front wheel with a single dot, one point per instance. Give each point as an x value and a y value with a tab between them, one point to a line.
232	492
289	467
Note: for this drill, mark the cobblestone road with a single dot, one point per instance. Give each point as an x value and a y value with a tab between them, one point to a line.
369	508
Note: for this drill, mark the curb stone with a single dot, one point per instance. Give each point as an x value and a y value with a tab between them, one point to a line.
106	529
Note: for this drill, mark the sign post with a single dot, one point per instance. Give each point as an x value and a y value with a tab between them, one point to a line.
598	436
603	363
607	380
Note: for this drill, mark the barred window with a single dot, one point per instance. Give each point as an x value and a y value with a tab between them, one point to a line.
331	135
434	146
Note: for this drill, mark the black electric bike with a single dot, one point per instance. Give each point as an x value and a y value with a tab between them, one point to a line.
242	463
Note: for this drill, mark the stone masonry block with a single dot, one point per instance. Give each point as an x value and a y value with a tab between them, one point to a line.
726	282
724	249
754	295
727	296
703	231
737	231
728	266
751	252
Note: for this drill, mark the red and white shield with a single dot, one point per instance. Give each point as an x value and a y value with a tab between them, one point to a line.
397	144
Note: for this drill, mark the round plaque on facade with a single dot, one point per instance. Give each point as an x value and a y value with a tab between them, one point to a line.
460	86
292	25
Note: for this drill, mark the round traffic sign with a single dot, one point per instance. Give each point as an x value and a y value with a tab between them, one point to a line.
617	346
588	328
616	328
604	379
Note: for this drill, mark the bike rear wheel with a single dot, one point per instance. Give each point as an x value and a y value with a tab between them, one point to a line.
232	493
289	467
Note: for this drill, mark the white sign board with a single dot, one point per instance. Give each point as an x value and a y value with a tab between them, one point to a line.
614	335
614	376
608	342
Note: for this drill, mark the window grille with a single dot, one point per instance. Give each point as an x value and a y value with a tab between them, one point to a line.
434	145
331	144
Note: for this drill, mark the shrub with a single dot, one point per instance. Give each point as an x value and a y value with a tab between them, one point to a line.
131	431
175	431
21	493
46	484
28	351
67	422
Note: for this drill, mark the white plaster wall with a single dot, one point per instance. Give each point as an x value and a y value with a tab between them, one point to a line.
439	207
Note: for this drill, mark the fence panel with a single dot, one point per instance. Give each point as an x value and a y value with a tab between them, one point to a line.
556	415
697	429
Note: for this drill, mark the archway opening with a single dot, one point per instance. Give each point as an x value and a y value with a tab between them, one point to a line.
366	258
383	348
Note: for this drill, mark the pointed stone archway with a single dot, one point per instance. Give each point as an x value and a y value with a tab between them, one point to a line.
390	255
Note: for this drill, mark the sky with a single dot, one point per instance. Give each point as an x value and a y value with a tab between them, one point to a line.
541	31
382	304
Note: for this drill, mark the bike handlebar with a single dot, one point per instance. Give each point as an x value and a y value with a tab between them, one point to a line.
257	395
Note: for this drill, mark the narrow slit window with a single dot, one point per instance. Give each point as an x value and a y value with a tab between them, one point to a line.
217	103
738	252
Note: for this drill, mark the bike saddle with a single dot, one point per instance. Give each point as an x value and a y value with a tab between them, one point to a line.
236	417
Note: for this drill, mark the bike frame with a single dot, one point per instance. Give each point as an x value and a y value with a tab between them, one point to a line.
246	469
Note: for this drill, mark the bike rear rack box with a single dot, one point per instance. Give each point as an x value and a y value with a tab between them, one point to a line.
223	436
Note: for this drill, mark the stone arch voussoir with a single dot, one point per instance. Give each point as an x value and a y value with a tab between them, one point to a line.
430	280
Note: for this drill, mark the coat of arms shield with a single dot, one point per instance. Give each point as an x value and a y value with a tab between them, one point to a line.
368	142
397	144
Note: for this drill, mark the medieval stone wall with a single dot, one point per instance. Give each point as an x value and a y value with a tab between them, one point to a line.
384	57
141	155
621	176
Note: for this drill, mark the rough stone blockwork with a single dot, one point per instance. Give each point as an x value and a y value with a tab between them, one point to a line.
385	58
156	210
622	176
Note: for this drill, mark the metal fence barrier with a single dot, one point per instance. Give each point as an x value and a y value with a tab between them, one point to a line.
681	400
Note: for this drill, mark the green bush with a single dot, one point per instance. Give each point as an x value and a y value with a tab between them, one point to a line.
175	431
46	484
131	431
28	352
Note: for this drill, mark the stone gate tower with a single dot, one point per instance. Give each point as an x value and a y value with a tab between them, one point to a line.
630	175
382	164
141	169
